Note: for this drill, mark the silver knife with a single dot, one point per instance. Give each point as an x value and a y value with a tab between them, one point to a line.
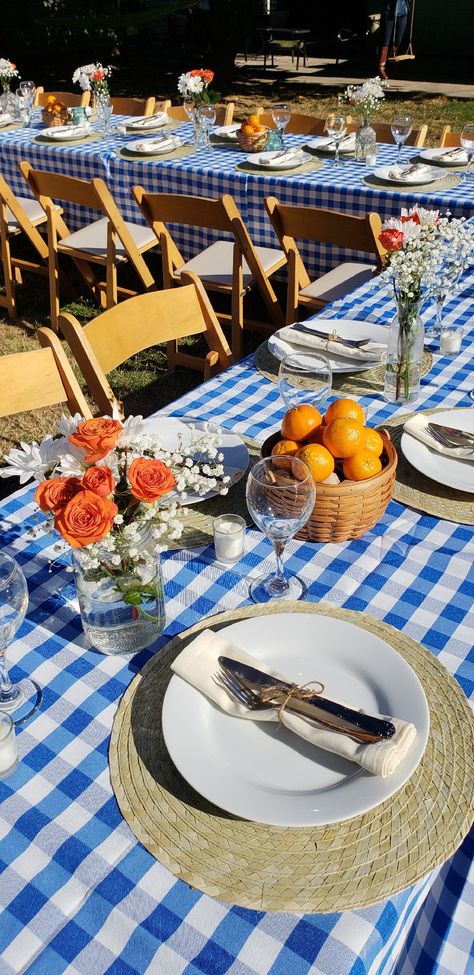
329	337
364	722
454	432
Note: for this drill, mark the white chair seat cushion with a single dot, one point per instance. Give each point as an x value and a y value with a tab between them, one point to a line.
93	239
215	263
34	211
339	282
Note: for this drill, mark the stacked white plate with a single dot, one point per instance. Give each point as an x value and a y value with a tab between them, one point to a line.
450	471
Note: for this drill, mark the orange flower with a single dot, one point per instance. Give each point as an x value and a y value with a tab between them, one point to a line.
207	76
53	495
100	480
150	479
85	519
96	437
98	75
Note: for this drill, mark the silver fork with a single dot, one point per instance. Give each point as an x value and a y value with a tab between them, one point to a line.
449	437
249	699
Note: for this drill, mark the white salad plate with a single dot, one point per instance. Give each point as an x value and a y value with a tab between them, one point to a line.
262	771
147	123
324	143
450	471
66	133
428	175
227	131
439	157
265	160
175	431
346	328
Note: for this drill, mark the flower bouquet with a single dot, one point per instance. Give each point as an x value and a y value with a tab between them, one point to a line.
115	494
93	77
366	98
195	85
8	71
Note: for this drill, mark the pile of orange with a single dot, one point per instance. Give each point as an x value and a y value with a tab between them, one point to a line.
252	125
53	107
339	440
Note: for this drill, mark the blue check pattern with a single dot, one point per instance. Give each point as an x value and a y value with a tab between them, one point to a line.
211	172
79	895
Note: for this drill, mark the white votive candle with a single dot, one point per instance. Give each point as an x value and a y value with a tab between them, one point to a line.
229	538
8	749
450	342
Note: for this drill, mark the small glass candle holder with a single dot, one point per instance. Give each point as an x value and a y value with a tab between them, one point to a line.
8	747
450	340
229	538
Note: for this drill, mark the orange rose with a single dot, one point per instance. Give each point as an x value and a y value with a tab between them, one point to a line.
54	494
96	437
86	519
98	75
150	479
207	76
100	480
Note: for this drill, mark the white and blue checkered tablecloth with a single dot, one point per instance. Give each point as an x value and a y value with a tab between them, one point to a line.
78	894
211	172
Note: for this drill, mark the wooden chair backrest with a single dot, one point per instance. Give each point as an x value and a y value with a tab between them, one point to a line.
133	106
224	113
162	104
69	98
9	200
449	138
137	324
298	124
39	377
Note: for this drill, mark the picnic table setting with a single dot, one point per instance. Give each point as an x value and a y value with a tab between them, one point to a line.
236	728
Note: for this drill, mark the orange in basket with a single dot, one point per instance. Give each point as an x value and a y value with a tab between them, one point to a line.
344	438
300	422
319	461
361	466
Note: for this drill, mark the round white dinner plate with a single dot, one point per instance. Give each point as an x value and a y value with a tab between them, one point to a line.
450	471
236	455
227	131
258	159
139	124
264	772
325	144
151	147
347	329
66	133
429	175
438	155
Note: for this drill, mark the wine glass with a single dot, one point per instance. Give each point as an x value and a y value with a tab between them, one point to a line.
305	377
104	110
336	130
401	128
206	115
281	115
27	89
467	142
280	498
13	606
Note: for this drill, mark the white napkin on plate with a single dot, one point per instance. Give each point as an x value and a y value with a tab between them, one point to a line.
148	121
159	145
369	353
290	155
417	427
60	131
458	154
197	664
405	174
5	119
347	144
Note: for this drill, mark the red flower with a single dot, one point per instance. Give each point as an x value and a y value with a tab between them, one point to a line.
392	240
100	480
54	494
98	75
207	76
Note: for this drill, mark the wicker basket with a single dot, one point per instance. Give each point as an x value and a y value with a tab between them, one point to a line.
347	510
56	118
252	143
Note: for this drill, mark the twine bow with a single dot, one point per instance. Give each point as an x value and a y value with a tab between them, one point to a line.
279	696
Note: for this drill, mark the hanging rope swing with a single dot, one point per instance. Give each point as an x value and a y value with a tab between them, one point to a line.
409	54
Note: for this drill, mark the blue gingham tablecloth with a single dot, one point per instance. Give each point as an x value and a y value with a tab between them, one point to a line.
211	172
78	894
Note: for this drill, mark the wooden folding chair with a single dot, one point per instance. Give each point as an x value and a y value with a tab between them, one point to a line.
133	106
39	377
449	138
109	241
330	227
19	215
299	124
140	323
227	266
224	113
69	98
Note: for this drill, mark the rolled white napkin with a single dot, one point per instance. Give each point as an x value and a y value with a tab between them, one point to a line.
5	119
369	353
405	174
279	158
59	131
197	664
347	143
148	121
457	154
159	145
417	426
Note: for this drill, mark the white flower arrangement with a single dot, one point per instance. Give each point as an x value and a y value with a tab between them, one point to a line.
366	97
92	77
8	71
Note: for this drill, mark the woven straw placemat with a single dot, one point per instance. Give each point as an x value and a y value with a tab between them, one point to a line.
420	492
306	167
340	867
42	140
360	383
157	156
437	186
11	127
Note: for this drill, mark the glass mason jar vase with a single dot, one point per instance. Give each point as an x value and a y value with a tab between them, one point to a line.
5	97
365	141
404	354
121	611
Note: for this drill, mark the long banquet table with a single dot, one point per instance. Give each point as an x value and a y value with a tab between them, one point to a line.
78	893
211	172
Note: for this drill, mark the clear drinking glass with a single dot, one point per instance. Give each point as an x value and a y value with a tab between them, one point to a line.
189	107
13	606
280	498
281	115
206	115
305	377
104	108
467	142
336	130
401	128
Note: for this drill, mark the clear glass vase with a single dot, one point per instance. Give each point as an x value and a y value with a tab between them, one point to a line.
404	353
365	141
121	611
5	98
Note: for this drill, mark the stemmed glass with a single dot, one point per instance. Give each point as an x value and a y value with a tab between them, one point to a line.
305	377
401	128
104	110
280	498
467	142
206	115
28	89
336	129
13	606
281	115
